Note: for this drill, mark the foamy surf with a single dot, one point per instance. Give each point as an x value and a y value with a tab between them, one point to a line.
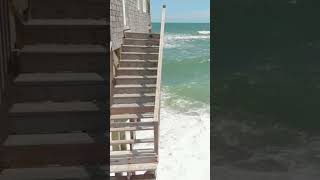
184	141
175	40
204	32
186	37
184	152
184	146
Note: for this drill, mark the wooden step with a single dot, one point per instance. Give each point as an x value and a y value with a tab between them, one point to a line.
135	177
133	108
59	87
68	9
142	35
133	98
138	63
135	88
63	48
68	31
48	149
51	58
142	49
53	117
141	42
133	157
55	173
132	124
131	141
139	56
130	116
136	79
136	128
61	78
133	167
136	71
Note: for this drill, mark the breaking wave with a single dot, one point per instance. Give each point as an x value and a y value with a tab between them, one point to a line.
204	32
175	122
175	40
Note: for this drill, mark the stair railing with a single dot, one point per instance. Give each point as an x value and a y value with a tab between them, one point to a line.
158	85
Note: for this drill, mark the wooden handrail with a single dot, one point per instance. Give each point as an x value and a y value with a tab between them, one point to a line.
158	86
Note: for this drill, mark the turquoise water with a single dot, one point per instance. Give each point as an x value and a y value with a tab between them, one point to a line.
186	70
185	103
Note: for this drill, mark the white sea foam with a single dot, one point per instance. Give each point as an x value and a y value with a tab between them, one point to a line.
184	146
204	32
175	40
187	37
184	142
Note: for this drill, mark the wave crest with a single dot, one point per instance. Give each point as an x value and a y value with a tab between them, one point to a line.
204	32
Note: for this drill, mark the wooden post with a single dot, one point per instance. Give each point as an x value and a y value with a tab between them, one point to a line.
158	87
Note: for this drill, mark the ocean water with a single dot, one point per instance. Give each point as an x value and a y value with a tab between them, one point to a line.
185	122
266	91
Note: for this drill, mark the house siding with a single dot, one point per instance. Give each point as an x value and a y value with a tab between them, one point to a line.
116	23
136	20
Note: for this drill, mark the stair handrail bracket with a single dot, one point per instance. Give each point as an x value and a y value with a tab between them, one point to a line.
158	85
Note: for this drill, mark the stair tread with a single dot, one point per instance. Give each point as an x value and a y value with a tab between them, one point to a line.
134	85
132	141
130	116
137	152
138	60
54	107
140	46
135	128
48	139
57	77
133	124
139	39
73	22
133	105
135	77
134	95
63	48
133	167
133	157
53	173
142	33
137	68
137	53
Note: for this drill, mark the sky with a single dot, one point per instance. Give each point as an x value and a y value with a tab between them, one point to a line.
192	11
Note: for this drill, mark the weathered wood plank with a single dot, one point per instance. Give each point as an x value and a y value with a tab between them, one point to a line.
133	167
130	116
42	150
66	31
135	157
138	128
134	108
54	173
131	141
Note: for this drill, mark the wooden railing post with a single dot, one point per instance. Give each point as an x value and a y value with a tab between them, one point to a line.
158	87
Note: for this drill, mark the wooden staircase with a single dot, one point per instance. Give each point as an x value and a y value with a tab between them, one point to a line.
59	95
133	105
135	109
